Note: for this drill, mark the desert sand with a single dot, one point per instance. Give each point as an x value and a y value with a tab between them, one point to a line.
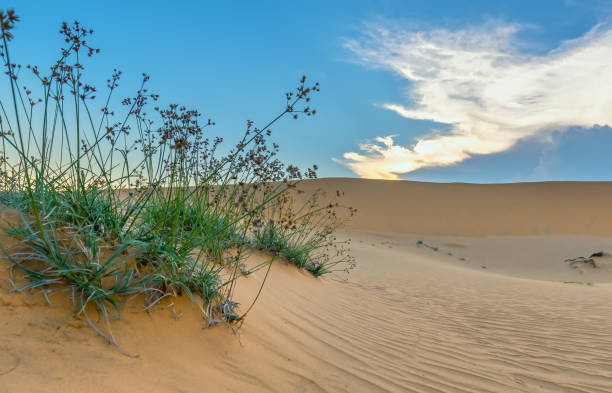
458	288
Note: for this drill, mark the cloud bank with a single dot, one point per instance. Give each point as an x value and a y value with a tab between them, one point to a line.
489	92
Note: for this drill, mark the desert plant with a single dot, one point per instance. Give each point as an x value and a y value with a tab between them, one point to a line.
118	203
303	233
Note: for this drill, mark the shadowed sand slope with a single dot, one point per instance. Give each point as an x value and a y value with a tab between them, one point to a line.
410	318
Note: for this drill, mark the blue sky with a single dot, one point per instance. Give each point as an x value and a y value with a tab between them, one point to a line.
379	77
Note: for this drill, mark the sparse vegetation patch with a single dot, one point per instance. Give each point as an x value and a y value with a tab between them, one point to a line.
117	199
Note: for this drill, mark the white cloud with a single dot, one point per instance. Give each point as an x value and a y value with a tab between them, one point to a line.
491	94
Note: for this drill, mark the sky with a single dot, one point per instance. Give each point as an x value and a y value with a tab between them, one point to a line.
448	91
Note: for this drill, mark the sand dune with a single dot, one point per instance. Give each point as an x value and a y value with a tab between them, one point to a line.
410	318
460	209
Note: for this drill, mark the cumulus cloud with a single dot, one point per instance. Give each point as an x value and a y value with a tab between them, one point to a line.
487	90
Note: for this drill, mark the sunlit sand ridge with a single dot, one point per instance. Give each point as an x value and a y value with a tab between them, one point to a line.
459	288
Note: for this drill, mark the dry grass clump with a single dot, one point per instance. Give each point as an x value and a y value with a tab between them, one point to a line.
303	233
136	201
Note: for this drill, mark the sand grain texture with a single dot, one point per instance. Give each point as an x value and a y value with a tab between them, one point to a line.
409	319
